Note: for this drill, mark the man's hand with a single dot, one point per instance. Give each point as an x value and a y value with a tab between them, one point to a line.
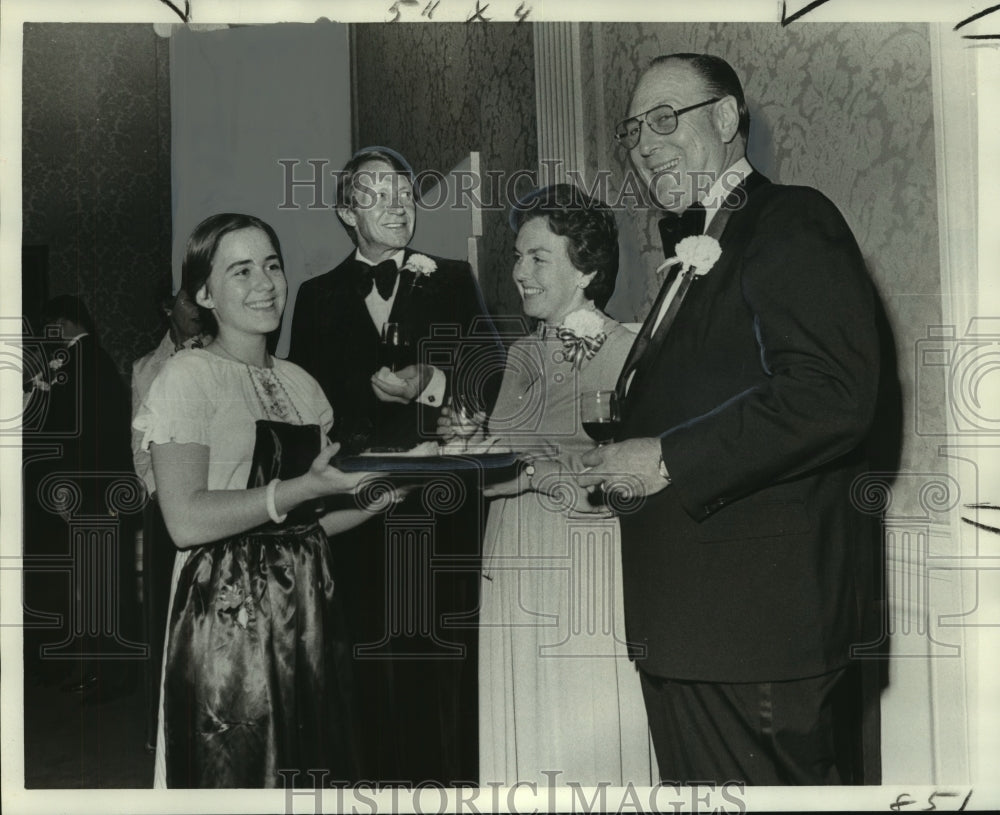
634	464
404	385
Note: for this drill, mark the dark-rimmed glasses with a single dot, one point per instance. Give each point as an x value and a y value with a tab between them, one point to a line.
662	119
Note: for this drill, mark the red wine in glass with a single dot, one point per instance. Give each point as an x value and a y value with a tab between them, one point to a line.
395	350
599	415
601	432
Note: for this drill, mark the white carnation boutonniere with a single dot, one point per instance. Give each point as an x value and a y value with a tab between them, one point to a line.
582	335
697	253
421	266
38	382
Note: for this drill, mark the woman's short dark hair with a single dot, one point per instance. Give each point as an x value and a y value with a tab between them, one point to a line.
201	249
589	226
68	307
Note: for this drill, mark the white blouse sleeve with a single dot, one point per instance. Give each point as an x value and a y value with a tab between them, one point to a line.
178	407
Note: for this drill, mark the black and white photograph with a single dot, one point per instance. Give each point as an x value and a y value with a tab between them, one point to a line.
499	406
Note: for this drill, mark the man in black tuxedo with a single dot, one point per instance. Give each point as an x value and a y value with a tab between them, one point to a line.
340	316
745	403
416	690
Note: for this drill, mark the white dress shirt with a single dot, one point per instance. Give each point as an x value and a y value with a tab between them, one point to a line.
712	202
380	310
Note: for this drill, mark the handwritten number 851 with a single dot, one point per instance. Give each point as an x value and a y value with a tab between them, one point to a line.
905	800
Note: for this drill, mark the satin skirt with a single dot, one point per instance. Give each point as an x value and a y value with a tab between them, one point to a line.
257	679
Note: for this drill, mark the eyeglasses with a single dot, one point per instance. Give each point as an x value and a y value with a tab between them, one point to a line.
662	119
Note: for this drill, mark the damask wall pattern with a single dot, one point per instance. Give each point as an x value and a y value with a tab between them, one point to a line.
435	92
96	172
841	107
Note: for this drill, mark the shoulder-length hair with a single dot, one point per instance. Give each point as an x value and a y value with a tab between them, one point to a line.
201	249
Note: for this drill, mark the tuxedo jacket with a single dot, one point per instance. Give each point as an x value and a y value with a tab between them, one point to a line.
88	416
753	565
334	338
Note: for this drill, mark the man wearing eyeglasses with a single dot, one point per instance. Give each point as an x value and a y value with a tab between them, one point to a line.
745	404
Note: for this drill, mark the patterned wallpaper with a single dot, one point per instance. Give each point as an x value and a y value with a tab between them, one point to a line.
435	92
844	108
96	172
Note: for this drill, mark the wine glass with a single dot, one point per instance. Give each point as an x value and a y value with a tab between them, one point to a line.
599	415
466	418
395	349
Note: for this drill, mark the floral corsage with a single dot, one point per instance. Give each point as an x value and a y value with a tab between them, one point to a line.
582	334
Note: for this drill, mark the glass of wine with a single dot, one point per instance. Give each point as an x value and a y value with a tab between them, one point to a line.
395	351
599	415
465	419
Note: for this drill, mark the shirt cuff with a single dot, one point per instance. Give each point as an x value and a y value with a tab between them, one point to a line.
433	394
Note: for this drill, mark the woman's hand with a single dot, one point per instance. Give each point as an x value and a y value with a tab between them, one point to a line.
195	514
324	479
557	482
455	424
507	489
340	520
541	478
382	497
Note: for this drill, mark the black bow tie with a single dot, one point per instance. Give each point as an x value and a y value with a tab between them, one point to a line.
383	275
674	228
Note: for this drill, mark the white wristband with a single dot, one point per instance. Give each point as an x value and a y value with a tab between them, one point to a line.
272	510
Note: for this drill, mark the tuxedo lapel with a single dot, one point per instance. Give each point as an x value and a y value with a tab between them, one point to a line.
649	342
411	305
402	305
642	341
656	339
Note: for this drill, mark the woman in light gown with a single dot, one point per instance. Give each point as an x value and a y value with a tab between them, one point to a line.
558	694
254	677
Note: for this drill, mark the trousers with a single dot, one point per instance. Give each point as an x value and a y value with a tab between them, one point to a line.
763	733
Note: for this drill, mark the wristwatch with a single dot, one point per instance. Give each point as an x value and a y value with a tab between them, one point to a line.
663	471
529	470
